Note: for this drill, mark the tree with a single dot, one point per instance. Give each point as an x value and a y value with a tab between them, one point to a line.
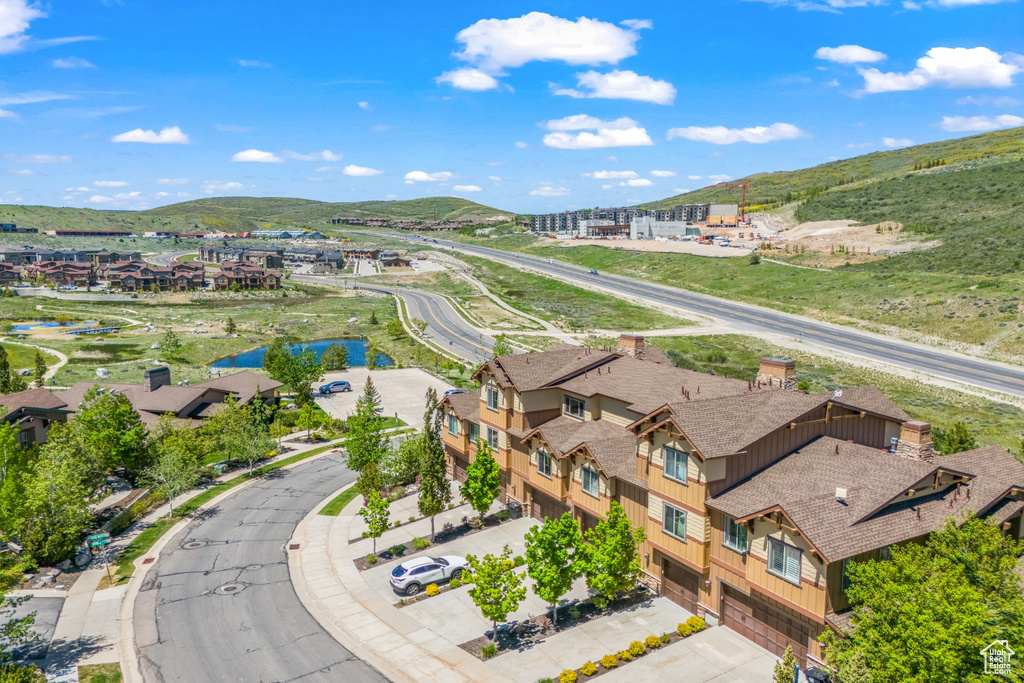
176	470
40	369
308	419
298	368
113	432
754	259
12	672
365	441
335	358
230	327
371	357
497	587
171	344
370	479
373	317
401	465
238	433
553	558
375	514
785	671
6	326
435	489
501	346
395	328
5	373
16	466
483	480
956	439
612	561
924	615
260	411
276	360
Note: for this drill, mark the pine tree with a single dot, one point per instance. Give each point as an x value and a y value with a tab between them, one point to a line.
230	327
365	441
435	490
40	371
785	671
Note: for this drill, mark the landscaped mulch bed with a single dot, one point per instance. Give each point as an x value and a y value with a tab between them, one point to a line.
446	535
522	635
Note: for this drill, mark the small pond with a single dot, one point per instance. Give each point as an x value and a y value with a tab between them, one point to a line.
254	359
38	325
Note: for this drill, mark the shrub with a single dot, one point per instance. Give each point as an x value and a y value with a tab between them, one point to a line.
696	624
451	506
624	656
475	522
574	612
398	550
666	638
489	651
684	630
567	676
371	558
588	669
653	642
636	648
397	523
501	515
600	602
803	385
412	518
420	543
609	661
432	589
518	561
454	583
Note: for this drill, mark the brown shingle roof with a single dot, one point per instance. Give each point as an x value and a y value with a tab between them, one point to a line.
243	384
872	400
32	398
529	371
612	445
466	405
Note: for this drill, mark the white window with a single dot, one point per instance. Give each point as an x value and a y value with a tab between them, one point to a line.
673	522
591	482
574	407
675	464
492	398
492	437
474	432
453	424
734	536
784	561
544	463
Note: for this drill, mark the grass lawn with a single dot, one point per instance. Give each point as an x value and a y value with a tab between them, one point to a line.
23	357
100	673
334	508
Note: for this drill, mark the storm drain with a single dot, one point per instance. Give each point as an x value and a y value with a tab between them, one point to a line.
254	567
192	545
229	588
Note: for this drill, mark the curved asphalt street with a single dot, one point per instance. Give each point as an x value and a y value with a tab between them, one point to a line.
755	320
445	327
226	610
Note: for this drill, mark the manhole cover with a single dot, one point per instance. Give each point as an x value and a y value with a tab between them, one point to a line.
254	567
192	545
229	588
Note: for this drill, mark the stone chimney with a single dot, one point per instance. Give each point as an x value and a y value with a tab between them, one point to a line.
156	378
776	372
632	345
916	441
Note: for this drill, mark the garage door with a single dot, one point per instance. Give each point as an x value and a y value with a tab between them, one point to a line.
544	505
679	584
459	468
770	627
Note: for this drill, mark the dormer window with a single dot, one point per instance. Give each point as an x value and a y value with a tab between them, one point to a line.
453	424
675	464
591	482
574	407
492	398
544	463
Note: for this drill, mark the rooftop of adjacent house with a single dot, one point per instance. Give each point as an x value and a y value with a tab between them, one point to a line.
243	384
611	445
874	511
465	405
32	398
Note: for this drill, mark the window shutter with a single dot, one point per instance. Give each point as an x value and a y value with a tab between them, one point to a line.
793	563
776	557
741	536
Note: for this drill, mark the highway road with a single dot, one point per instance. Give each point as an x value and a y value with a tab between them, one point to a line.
164	259
219	605
445	327
756	320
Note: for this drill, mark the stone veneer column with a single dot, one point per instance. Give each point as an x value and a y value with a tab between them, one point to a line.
916	441
776	372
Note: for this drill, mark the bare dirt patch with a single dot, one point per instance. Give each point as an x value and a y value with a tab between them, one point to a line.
671	247
878	238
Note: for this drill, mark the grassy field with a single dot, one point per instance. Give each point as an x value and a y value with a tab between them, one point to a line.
22	357
338	503
100	673
738	356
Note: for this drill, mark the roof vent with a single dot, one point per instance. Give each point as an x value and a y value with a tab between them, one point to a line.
841	495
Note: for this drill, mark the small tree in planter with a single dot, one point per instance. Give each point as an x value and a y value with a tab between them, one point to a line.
553	558
370	479
375	514
435	491
497	588
483	480
612	560
308	419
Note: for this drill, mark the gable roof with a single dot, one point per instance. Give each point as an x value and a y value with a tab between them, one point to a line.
243	384
465	405
610	444
530	371
32	398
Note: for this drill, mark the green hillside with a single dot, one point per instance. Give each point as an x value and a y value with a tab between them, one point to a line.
784	186
234	214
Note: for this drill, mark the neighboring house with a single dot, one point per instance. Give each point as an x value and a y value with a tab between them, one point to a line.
371	254
61	273
103	258
395	262
134	276
8	274
32	412
753	496
264	257
245	276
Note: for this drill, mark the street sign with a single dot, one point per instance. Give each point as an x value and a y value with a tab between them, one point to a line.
99	537
99	543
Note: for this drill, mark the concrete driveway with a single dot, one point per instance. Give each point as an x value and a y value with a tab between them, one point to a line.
402	391
47	611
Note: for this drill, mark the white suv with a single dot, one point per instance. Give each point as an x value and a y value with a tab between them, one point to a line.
412	575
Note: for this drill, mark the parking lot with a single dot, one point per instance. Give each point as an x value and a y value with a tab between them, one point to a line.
402	392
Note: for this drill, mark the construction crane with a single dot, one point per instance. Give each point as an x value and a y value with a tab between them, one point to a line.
743	197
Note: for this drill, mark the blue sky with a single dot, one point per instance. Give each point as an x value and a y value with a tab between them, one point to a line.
531	107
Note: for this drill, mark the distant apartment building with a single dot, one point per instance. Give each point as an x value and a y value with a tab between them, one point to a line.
570	221
13	228
8	274
264	257
135	276
286	234
61	273
97	257
239	275
89	233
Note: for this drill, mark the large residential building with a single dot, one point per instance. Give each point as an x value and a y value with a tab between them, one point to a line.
236	275
571	221
264	257
754	496
97	257
61	273
135	276
13	228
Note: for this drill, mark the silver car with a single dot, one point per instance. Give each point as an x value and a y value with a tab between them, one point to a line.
412	575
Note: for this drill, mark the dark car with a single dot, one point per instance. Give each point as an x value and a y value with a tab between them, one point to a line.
335	387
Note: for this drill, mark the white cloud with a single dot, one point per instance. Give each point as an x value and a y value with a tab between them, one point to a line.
326	169
167	136
720	135
622	132
849	54
948	67
467	188
360	171
494	178
161	195
963	124
607	187
100	199
636	182
548	191
719	177
988	101
253	64
326	155
15	17
468	78
610	175
391	196
521	145
256	156
364	105
73	63
172	181
833	6
897	142
39	158
950	4
110	183
234	129
211	186
682	190
637	24
621	85
32	97
23	172
663	174
424	177
859	145
694	177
